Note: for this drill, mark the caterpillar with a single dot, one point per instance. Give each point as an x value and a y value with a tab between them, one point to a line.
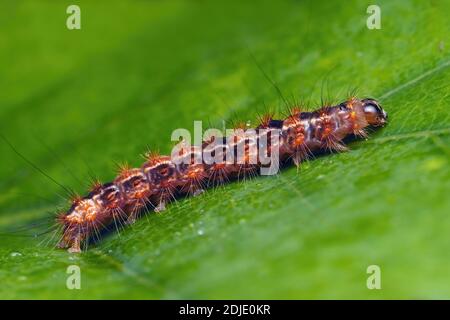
186	172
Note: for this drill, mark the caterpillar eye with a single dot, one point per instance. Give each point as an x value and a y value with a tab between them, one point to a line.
375	115
370	109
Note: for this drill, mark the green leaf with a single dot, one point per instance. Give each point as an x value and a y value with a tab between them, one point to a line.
76	102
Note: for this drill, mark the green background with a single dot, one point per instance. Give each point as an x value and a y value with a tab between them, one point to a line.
79	101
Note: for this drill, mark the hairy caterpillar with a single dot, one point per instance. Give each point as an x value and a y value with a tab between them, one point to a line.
163	178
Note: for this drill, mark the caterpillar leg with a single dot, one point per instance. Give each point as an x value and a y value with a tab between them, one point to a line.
131	219
160	207
75	245
71	239
198	192
134	212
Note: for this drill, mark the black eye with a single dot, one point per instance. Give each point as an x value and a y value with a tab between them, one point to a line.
373	103
374	112
371	108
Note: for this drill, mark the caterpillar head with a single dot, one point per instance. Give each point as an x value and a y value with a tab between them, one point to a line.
374	113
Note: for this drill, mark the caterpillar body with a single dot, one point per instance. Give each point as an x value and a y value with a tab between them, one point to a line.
163	178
